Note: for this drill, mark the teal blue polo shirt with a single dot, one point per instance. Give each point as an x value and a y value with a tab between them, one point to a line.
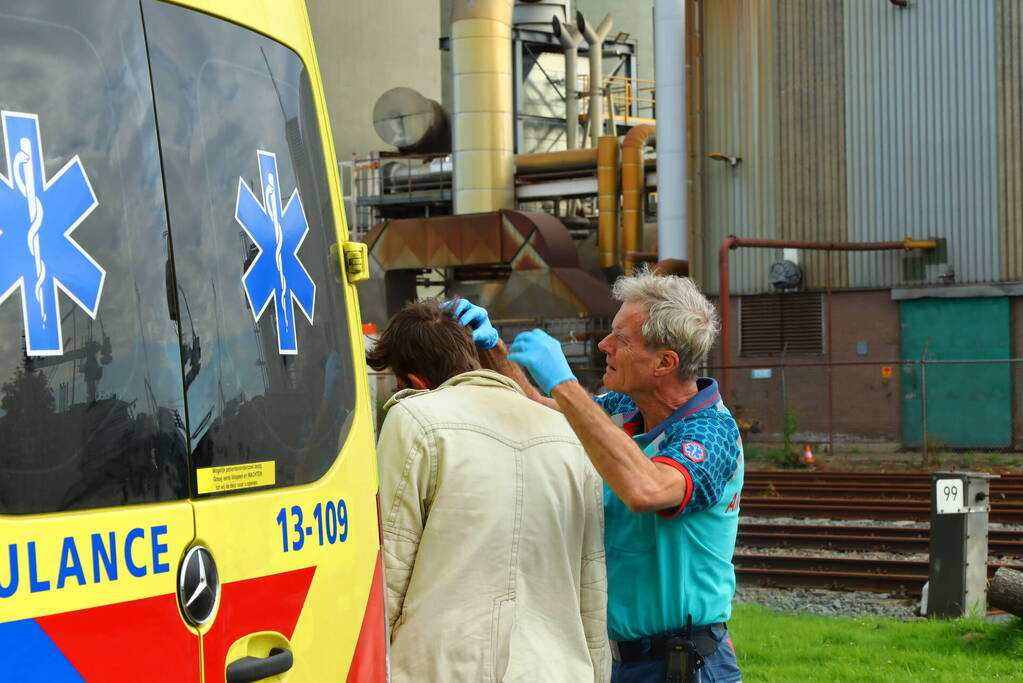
664	566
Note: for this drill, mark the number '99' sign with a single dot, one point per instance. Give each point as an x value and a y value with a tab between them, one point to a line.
950	497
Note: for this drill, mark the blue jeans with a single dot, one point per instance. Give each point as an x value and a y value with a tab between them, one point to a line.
720	667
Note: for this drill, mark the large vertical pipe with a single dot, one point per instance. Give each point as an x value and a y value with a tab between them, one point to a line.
595	40
672	183
607	199
570	39
482	123
633	189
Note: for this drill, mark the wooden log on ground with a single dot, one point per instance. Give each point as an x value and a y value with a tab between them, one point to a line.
1006	591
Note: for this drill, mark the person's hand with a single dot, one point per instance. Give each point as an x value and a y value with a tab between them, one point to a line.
541	355
484	335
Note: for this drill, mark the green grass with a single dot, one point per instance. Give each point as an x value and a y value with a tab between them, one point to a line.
780	648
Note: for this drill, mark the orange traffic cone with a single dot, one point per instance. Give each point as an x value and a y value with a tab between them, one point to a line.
807	455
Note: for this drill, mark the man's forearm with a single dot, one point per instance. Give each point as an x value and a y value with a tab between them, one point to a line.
496	359
641	484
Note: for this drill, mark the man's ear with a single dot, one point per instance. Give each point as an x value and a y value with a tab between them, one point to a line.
667	363
418	382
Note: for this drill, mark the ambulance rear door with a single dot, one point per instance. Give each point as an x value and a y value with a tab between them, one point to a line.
94	477
284	575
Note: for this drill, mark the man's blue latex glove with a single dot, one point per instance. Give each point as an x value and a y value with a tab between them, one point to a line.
484	335
541	354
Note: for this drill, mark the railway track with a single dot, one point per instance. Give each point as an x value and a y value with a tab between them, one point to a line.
863	495
903	577
808	507
1001	542
856	495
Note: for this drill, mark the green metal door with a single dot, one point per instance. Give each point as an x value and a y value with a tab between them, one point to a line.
968	405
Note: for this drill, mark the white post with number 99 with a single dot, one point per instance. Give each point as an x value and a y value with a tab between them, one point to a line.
957	585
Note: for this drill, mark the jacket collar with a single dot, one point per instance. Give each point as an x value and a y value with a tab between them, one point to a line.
476	378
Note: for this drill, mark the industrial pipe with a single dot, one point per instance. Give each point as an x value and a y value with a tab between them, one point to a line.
633	189
724	300
482	123
595	40
570	39
608	191
564	160
672	157
402	174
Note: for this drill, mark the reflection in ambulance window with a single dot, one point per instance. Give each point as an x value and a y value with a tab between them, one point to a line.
91	399
270	375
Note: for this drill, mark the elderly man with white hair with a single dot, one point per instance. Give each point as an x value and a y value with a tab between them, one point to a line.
670	455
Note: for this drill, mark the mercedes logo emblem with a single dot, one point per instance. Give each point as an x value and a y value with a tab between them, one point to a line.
198	585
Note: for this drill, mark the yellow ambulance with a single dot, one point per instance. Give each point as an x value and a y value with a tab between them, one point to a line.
187	478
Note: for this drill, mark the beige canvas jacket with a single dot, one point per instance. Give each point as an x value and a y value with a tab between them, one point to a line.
493	539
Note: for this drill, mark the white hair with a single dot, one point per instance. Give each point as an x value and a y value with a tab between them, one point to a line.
679	316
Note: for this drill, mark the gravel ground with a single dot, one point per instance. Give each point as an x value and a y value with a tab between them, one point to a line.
828	603
838	522
829	552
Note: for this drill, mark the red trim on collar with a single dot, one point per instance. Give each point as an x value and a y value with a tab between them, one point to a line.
669	513
712	399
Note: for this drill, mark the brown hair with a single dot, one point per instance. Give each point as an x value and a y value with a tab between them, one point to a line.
425	340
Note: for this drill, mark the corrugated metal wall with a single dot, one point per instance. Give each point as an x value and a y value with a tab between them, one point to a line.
740	119
857	120
921	114
811	109
1010	132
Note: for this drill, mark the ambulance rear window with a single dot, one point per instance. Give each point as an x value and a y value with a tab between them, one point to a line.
269	373
91	400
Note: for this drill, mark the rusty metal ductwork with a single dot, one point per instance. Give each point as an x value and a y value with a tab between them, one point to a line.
544	264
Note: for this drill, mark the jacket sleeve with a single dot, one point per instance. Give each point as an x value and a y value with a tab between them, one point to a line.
593	587
405	487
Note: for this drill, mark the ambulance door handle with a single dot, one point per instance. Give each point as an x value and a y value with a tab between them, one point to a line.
248	669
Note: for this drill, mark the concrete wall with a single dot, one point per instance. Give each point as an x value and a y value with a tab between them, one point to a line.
635	17
366	48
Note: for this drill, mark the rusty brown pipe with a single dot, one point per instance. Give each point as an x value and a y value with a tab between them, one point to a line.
563	160
608	192
633	182
724	300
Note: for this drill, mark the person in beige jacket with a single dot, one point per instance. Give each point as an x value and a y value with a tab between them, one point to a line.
492	519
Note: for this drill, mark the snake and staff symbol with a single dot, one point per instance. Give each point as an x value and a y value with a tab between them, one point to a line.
25	179
270	202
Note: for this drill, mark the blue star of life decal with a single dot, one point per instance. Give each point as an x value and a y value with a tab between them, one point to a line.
37	217
275	274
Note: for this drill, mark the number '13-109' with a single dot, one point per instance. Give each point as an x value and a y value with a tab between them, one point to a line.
331	524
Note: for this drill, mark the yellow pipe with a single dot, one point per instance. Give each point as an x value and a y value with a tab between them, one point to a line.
608	190
565	160
633	181
909	243
481	125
